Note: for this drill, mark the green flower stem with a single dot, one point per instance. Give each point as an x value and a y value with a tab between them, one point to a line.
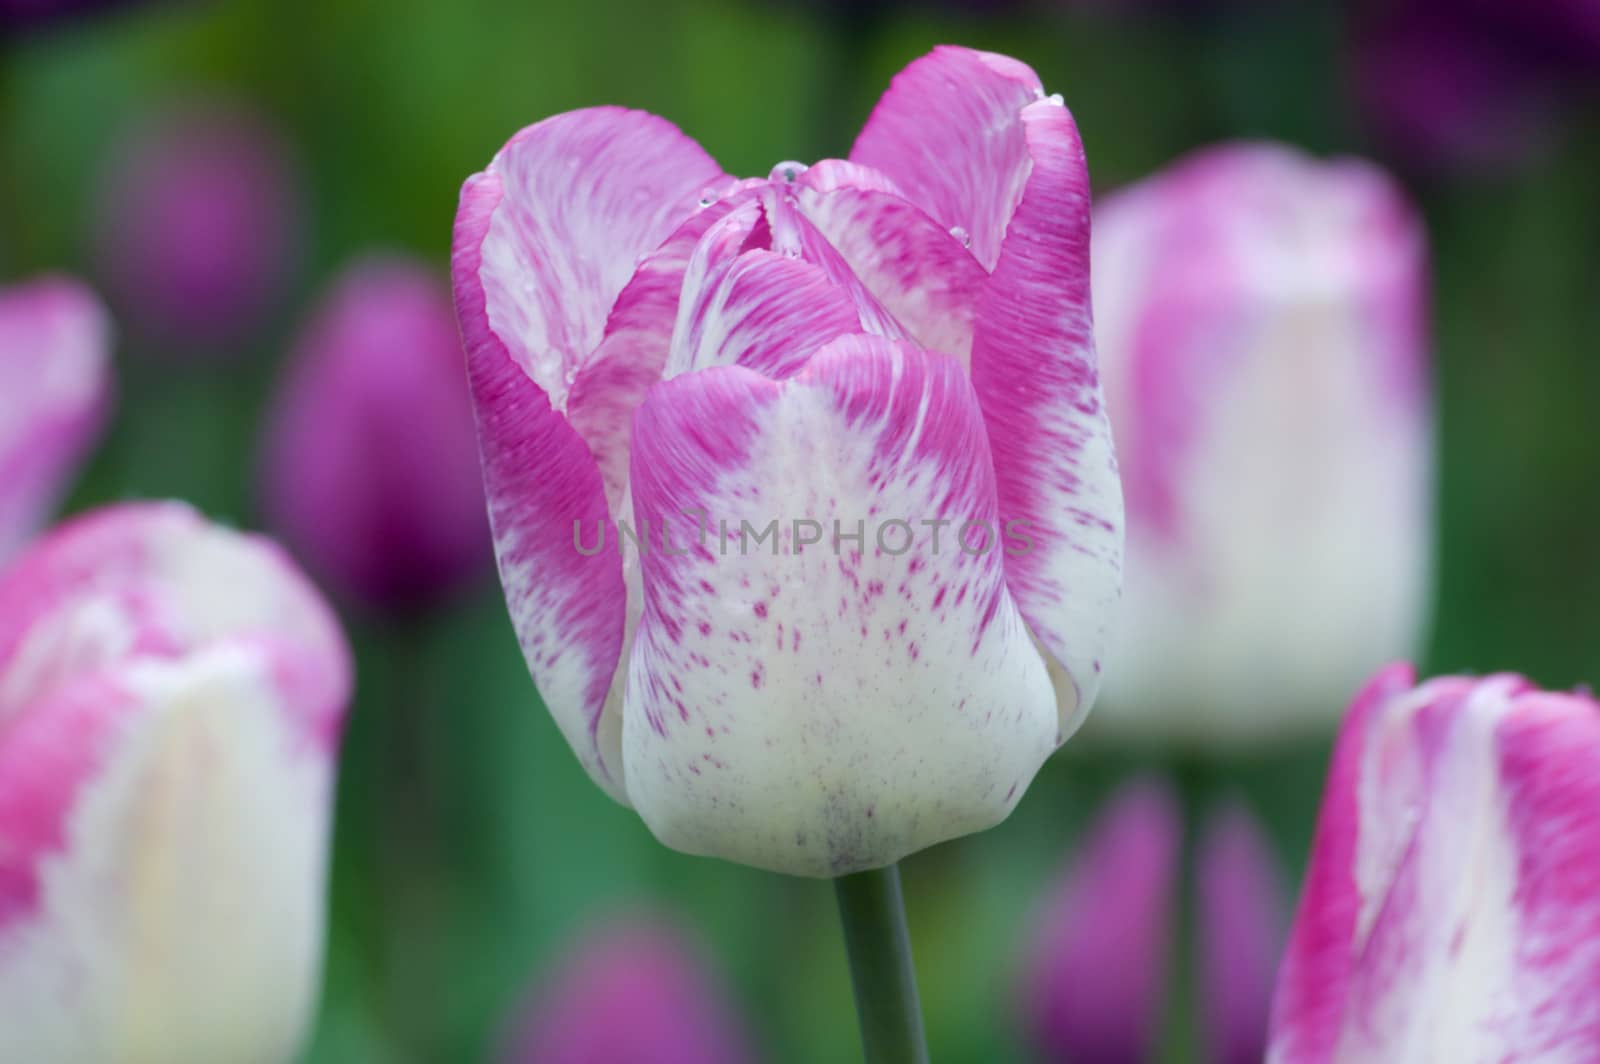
880	967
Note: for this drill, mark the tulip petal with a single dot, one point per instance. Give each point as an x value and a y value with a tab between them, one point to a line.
1037	379
55	347
946	133
1241	920
638	338
162	842
579	199
767	311
924	276
158	580
564	591
820	711
1450	910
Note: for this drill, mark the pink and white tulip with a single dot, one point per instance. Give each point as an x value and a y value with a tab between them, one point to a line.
1451	909
170	702
900	337
1263	321
55	390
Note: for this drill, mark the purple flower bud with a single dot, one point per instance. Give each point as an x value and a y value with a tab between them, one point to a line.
199	221
637	991
1093	979
370	465
55	384
1242	921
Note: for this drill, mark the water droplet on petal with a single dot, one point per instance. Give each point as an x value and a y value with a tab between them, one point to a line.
961	235
708	196
787	172
1055	98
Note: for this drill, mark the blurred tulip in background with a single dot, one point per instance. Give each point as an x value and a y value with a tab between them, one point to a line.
171	695
856	341
55	394
198	226
1450	909
635	991
1263	319
1094	980
1472	84
370	464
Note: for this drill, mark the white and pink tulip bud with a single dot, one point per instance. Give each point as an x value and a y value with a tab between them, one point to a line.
1451	907
801	486
171	696
1263	321
55	392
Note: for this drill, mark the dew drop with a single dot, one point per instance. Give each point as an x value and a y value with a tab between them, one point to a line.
961	235
1055	98
787	172
708	196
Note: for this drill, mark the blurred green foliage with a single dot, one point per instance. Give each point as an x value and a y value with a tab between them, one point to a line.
469	844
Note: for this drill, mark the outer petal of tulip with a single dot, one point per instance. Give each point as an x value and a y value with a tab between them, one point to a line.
1450	910
1096	960
1240	916
1262	317
545	240
997	161
55	384
370	468
799	701
633	991
172	700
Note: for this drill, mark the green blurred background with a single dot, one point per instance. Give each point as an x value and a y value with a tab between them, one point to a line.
470	847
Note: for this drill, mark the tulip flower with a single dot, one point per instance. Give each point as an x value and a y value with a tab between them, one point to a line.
1262	316
1471	84
1450	910
170	701
1094	972
782	390
1097	960
1240	918
370	470
198	223
637	991
55	390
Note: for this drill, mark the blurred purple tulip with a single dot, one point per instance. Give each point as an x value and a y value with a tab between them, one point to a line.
371	465
198	224
18	16
1094	973
1240	927
1471	84
55	387
636	992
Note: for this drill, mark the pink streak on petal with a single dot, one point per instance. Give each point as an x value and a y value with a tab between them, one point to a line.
581	197
1037	378
1309	1000
542	484
55	390
923	274
946	133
